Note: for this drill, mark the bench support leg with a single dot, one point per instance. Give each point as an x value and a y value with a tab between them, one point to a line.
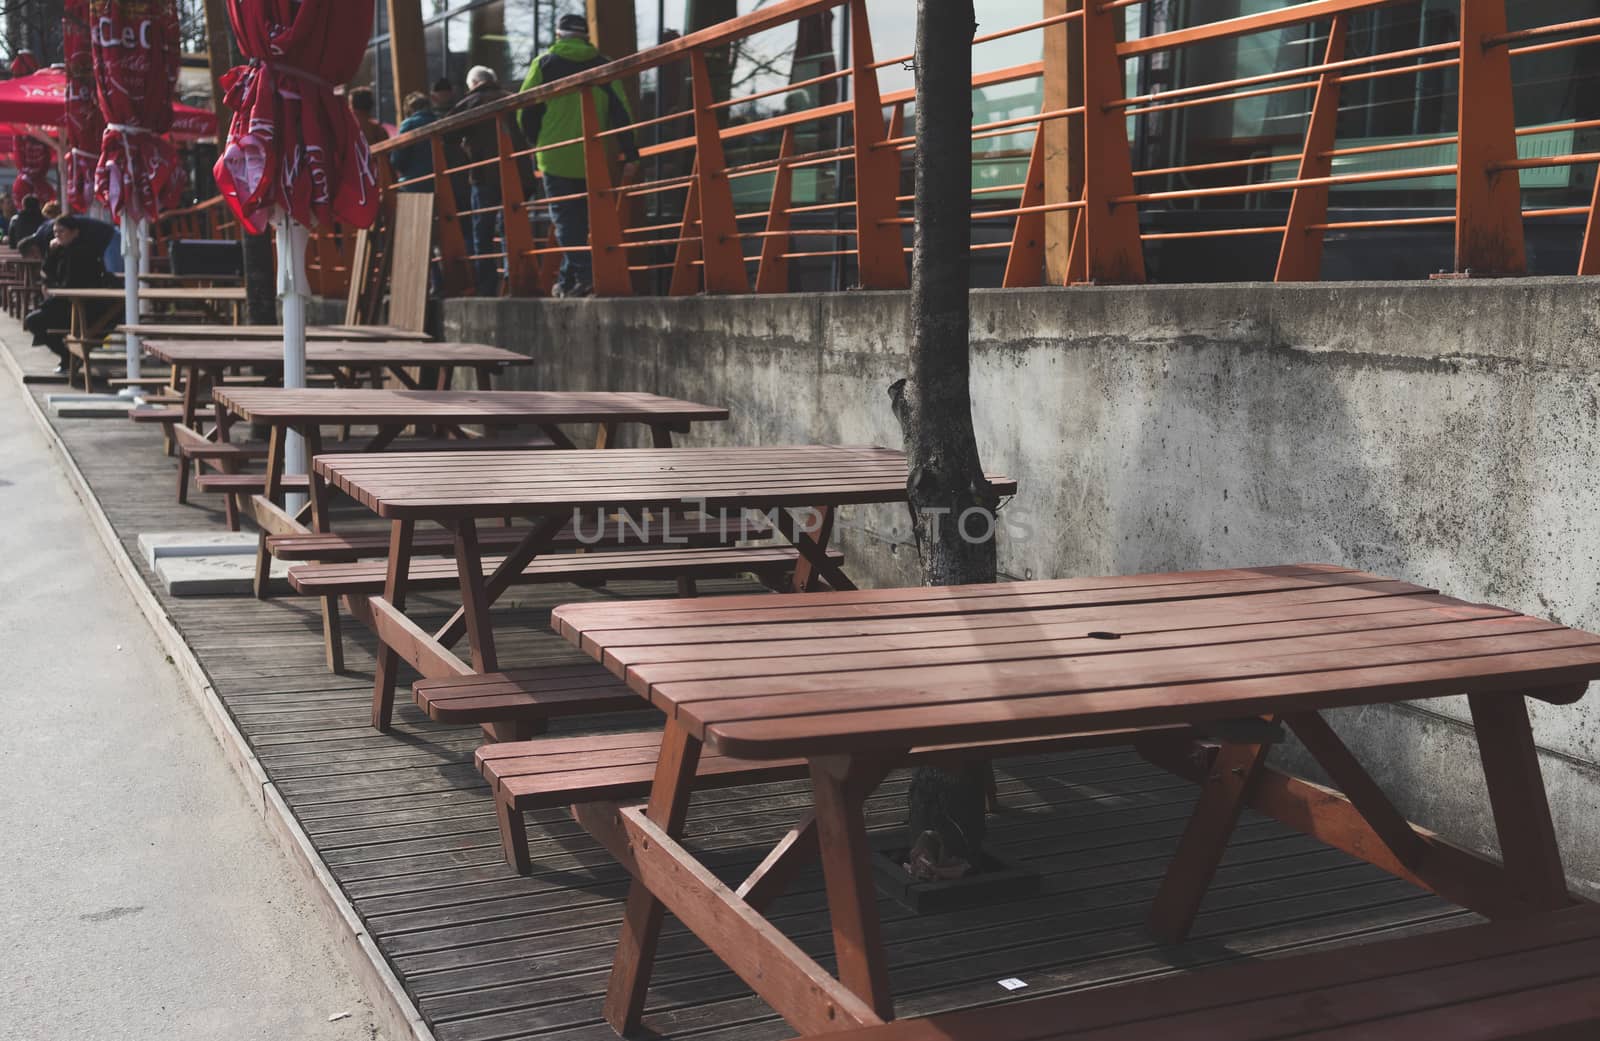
840	786
394	591
513	835
1223	795
1516	792
641	921
333	635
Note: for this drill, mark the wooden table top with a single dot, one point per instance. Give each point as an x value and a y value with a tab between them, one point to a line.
169	278
271	332
379	407
331	352
161	294
772	676
486	484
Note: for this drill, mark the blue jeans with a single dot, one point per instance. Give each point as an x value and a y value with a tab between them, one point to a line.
485	230
571	219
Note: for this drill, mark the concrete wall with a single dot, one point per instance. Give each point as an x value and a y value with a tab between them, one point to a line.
1443	433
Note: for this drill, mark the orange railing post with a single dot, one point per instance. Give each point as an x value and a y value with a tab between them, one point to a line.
522	274
610	260
455	273
1489	237
1300	258
772	275
880	251
1589	257
1025	262
1113	252
720	245
686	279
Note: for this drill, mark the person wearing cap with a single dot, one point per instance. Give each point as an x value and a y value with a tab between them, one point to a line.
480	142
562	169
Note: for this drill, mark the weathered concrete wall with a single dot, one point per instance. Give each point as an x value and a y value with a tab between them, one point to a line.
1443	433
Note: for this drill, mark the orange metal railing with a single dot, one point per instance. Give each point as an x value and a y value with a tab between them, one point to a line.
692	231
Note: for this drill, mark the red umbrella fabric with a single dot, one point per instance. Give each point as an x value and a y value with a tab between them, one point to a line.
84	125
41	100
137	52
34	160
293	144
24	64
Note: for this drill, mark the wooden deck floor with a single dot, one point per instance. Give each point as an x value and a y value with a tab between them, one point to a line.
405	826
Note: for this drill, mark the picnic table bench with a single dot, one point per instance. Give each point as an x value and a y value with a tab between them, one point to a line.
274	333
797	490
853	684
1516	980
389	412
85	333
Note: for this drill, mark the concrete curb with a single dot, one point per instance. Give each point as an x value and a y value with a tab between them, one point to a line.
398	1017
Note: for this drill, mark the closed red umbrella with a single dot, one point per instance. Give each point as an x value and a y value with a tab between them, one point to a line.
294	145
295	155
84	124
33	159
136	53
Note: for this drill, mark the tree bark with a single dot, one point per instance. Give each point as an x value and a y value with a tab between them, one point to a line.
953	507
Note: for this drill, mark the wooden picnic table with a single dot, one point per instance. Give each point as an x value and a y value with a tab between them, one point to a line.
215	300
850	683
274	333
802	486
201	362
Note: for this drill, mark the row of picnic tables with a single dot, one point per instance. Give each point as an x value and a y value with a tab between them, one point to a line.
845	685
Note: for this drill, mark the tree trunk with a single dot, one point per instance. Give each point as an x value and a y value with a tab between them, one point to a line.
952	505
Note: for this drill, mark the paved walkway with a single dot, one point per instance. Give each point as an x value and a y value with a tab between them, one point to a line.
144	897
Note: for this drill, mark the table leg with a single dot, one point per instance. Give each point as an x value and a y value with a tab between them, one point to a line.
606	436
535	542
1528	843
660	435
1223	795
641	920
840	786
276	448
394	592
812	543
474	603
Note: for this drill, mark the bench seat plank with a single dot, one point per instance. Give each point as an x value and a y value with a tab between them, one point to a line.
343	547
1535	977
367	577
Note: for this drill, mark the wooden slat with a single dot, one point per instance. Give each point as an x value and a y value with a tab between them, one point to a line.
385	407
267	350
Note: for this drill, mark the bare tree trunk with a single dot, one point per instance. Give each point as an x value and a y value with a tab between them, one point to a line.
953	506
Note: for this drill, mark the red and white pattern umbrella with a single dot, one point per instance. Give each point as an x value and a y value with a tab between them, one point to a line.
136	53
295	155
295	146
34	160
84	125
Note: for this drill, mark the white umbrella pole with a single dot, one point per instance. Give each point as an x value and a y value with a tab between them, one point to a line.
132	233
293	296
147	232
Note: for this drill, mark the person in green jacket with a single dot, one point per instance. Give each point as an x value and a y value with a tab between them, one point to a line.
562	169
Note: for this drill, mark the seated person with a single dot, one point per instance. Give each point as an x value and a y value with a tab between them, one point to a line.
26	222
74	258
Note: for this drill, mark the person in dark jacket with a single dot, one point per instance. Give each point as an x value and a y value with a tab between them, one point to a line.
480	142
26	222
561	119
415	162
74	258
